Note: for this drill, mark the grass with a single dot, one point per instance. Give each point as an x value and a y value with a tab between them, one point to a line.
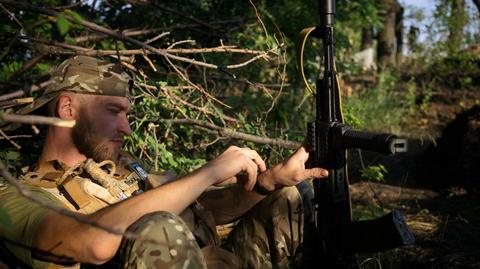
382	107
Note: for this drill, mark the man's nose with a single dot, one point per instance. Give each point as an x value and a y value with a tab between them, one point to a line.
124	126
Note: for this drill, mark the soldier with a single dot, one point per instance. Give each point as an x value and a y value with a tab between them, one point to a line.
84	170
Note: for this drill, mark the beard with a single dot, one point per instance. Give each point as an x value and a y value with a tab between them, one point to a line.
88	142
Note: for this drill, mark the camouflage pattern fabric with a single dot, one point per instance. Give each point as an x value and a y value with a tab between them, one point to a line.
87	75
180	249
270	235
174	246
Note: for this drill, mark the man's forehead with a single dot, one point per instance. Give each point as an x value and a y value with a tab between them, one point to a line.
118	101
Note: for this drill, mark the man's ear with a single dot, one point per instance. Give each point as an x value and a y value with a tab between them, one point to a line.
65	109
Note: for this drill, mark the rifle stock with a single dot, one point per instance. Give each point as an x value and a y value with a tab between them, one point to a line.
334	239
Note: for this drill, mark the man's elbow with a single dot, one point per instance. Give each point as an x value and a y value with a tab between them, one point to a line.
100	253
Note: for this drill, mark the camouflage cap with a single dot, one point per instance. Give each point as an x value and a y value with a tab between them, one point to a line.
87	75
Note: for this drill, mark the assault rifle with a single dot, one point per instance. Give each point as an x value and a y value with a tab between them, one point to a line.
334	240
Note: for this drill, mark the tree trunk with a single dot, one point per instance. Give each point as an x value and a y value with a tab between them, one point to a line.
457	22
367	38
399	33
386	51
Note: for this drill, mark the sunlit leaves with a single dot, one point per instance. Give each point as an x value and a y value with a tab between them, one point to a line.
374	172
63	25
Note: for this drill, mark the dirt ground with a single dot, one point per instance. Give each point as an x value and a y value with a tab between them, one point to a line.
445	218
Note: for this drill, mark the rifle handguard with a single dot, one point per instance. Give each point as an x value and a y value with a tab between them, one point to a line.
382	143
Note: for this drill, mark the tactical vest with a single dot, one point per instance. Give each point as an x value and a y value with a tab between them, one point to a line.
88	186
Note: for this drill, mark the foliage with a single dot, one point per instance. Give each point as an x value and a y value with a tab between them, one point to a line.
382	107
374	172
12	160
455	71
369	213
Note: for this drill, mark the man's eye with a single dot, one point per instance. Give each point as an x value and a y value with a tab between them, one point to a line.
114	110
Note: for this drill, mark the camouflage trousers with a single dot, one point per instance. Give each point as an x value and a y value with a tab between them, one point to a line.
268	236
169	244
271	234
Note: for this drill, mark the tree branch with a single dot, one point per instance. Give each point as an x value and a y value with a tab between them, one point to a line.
137	32
20	93
32	119
227	132
9	139
16	102
27	66
91	52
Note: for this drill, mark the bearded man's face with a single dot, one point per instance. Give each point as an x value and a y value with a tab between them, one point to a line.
101	127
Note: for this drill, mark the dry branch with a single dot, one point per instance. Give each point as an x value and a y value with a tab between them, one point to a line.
16	102
27	66
20	93
229	133
73	49
9	139
137	32
32	119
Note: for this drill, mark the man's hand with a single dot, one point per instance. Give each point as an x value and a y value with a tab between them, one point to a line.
233	162
290	172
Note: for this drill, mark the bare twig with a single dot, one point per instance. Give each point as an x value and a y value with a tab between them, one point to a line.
152	87
137	32
10	45
16	102
12	16
236	66
229	49
17	146
20	93
227	132
181	42
72	49
189	105
184	77
157	37
16	136
260	20
27	66
149	62
32	119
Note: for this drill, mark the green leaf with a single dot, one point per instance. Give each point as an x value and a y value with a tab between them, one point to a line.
63	24
161	83
12	155
374	172
74	14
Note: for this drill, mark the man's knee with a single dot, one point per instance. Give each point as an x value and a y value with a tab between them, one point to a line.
287	199
164	241
159	221
270	235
